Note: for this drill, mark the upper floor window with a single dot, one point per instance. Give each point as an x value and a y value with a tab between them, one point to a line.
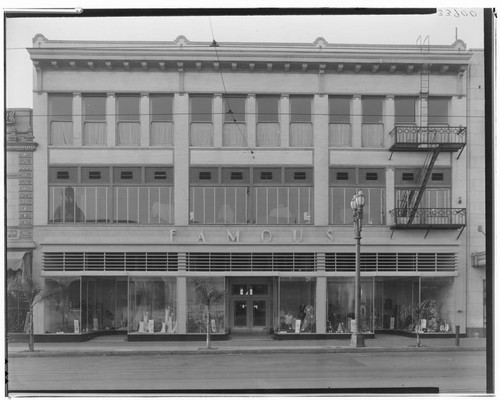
161	109
61	119
438	111
372	134
339	111
111	194
251	195
201	129
234	132
345	183
268	133
405	110
128	120
301	132
94	120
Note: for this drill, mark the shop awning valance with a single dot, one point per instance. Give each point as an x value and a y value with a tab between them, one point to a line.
15	260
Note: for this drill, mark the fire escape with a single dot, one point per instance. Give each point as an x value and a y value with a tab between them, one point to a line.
433	140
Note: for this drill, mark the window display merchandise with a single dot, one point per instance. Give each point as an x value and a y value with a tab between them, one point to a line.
299	295
153	305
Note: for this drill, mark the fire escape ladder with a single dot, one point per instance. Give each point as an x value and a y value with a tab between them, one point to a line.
424	178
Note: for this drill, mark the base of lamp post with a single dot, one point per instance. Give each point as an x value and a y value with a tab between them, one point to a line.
357	340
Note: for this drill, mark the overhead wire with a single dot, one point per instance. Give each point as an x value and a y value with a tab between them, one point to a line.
230	111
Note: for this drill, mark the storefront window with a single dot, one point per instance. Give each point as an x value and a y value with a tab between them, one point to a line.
437	301
341	297
62	309
196	310
104	304
395	300
153	305
297	305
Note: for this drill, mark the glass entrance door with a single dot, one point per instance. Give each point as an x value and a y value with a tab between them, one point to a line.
250	314
250	306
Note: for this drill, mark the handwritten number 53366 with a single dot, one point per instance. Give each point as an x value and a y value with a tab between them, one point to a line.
448	12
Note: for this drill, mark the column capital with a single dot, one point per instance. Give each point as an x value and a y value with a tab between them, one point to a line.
356	96
144	94
390	97
285	95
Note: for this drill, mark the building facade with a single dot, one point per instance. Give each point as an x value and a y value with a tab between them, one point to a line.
20	147
163	163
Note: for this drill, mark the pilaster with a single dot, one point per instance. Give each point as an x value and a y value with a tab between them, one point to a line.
111	119
284	118
356	121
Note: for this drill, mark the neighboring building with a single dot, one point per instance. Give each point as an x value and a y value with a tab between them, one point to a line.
161	163
19	148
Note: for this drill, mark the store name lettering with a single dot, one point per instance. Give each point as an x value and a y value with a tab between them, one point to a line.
266	236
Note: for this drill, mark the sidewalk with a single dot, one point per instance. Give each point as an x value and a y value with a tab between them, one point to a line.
118	345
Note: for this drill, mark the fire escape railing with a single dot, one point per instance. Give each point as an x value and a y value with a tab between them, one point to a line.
435	217
429	135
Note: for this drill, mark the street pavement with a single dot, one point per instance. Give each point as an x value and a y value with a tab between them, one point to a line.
116	345
236	373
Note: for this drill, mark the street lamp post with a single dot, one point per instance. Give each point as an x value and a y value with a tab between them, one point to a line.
357	204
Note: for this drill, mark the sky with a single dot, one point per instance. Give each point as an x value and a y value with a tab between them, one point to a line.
441	28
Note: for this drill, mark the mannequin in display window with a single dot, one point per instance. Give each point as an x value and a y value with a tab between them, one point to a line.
308	322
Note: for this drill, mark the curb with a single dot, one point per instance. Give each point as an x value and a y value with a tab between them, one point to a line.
44	353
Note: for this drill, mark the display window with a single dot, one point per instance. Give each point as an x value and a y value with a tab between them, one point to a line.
436	299
104	304
395	301
341	305
153	305
297	305
197	310
63	307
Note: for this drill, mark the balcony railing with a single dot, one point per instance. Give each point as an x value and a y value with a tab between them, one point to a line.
437	218
421	138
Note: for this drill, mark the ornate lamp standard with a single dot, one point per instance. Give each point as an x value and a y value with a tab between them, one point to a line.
357	204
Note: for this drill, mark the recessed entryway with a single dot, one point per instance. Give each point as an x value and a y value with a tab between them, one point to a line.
250	304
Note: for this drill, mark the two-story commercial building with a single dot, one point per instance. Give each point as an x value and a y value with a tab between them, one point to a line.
162	163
